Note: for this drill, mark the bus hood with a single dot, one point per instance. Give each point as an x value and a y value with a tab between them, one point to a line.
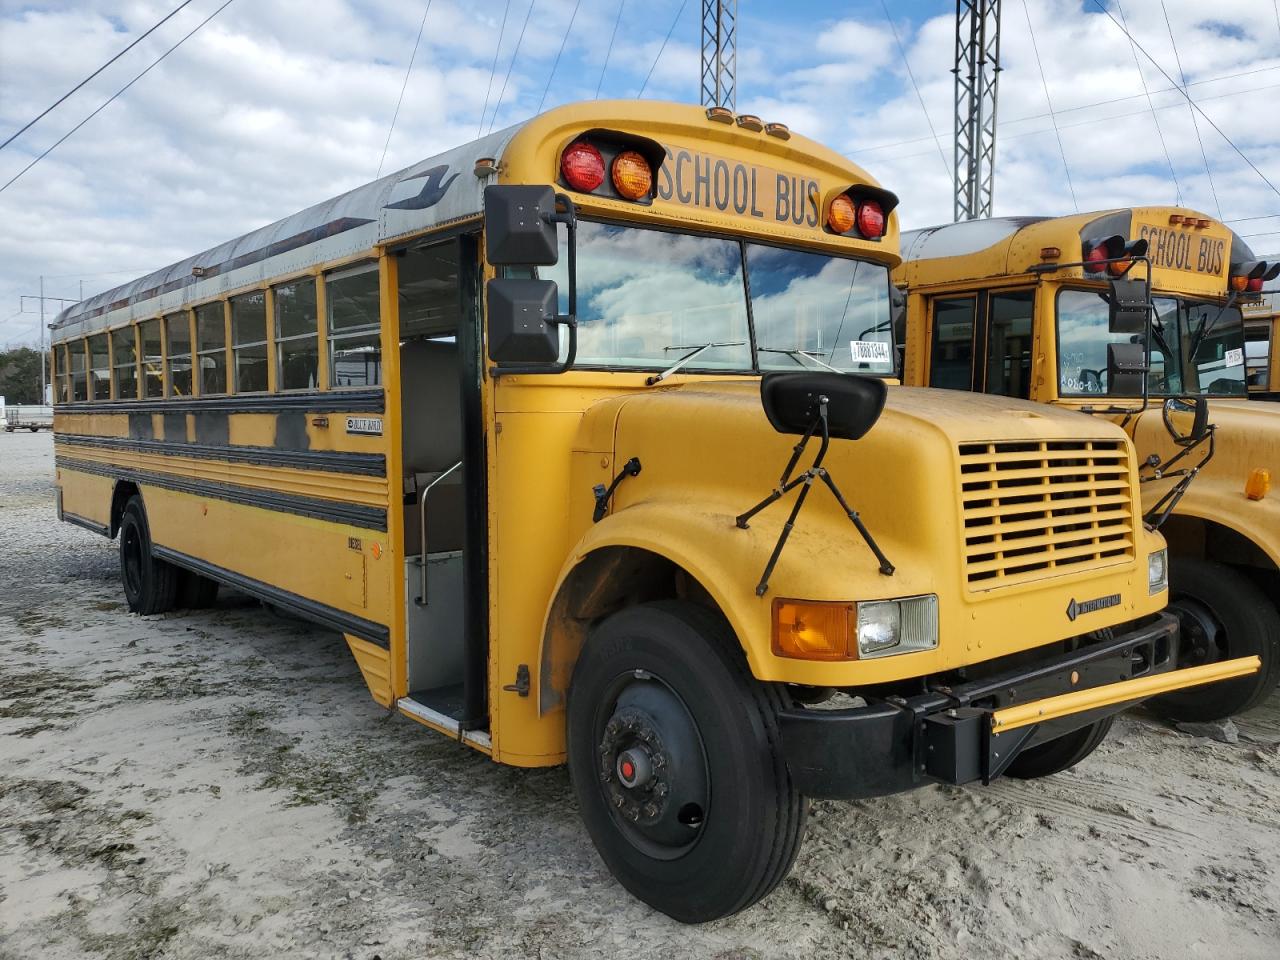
922	479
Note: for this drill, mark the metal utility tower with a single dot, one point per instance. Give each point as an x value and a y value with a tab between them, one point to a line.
720	53
977	73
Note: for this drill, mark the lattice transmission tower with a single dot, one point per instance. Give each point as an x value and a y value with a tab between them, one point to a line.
977	72
720	53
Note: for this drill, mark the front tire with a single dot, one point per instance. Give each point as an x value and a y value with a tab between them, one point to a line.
150	585
195	591
1060	753
1222	615
675	758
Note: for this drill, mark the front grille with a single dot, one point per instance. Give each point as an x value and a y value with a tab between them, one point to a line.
1037	509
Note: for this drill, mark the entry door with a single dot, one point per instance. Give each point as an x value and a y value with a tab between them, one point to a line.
443	477
994	326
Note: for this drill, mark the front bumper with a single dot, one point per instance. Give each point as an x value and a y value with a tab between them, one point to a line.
973	730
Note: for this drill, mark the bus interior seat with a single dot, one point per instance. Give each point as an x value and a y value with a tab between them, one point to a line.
431	422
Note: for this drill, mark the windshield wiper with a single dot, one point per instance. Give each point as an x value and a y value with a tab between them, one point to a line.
795	354
694	351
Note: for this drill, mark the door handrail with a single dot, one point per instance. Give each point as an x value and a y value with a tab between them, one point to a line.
422	515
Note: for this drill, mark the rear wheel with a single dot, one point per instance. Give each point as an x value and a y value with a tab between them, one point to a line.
674	753
196	592
150	585
1222	614
1061	753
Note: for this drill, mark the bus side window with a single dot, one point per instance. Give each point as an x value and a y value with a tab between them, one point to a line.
951	356
79	374
1009	343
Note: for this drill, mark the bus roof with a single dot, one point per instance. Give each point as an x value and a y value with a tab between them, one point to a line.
430	193
1010	246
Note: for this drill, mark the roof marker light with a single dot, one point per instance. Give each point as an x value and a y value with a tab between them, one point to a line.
779	130
720	114
749	121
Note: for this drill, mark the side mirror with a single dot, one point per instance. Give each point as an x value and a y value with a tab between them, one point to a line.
520	225
791	401
523	327
1130	307
1126	368
1198	408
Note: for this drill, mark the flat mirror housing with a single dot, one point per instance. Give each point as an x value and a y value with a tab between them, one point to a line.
854	403
1126	368
1130	308
522	326
519	225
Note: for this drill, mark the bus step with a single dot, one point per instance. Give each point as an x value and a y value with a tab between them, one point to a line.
446	700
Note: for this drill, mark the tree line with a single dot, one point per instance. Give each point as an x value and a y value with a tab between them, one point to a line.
20	375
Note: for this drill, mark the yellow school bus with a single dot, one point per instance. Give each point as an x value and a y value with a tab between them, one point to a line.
1026	307
580	434
1262	347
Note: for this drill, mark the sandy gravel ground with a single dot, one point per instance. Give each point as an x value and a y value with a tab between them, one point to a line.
219	784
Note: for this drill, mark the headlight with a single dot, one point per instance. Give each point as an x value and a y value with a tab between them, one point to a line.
1157	571
888	627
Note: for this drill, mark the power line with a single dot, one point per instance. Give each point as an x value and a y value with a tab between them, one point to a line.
159	23
609	51
1048	100
653	66
563	40
914	86
512	65
1142	79
493	70
57	143
1213	189
1208	119
404	86
1104	103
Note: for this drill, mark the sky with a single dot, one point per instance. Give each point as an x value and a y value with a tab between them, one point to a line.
279	104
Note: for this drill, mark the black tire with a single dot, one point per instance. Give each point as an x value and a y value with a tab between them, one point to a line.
150	585
1061	753
1223	614
33	429
719	824
196	592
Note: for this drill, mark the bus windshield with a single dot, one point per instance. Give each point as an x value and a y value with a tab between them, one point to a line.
647	297
1197	346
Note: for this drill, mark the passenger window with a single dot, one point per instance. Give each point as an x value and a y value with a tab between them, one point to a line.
79	379
124	362
152	360
211	348
99	368
249	341
177	332
355	341
1009	343
64	376
951	362
297	350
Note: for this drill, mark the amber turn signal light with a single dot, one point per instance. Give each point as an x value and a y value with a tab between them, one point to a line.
813	630
631	175
841	215
1259	483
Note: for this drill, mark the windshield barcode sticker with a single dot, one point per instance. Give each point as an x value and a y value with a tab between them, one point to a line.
1234	358
869	351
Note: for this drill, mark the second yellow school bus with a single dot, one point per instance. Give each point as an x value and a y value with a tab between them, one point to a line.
1021	307
579	433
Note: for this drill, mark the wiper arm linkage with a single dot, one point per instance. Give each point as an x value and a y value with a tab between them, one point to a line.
693	352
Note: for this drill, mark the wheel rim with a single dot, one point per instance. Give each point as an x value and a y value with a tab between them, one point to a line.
131	557
651	766
1203	637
